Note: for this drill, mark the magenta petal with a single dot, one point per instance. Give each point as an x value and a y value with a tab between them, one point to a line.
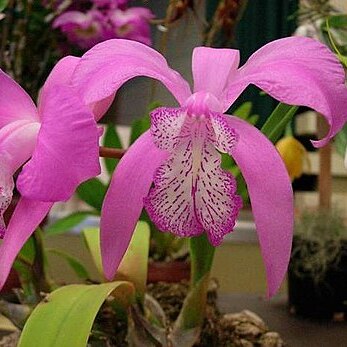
15	103
108	65
60	75
17	143
67	150
73	19
298	71
26	218
271	197
212	69
124	200
100	108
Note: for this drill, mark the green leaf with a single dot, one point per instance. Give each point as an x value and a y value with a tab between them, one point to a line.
338	21
276	123
187	327
244	110
112	140
74	263
92	240
67	223
23	266
92	192
201	257
341	141
138	127
134	265
141	125
66	316
253	119
3	4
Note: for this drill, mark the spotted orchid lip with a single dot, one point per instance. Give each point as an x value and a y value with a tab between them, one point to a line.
191	193
6	192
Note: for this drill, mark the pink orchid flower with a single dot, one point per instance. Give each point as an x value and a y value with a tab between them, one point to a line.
57	142
111	3
181	152
132	24
83	29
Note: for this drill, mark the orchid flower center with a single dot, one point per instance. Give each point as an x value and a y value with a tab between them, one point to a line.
192	194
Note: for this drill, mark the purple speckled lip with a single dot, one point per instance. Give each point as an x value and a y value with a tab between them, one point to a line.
191	193
5	200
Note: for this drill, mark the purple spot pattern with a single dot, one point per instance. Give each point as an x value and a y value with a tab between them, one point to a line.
166	126
6	188
191	193
5	200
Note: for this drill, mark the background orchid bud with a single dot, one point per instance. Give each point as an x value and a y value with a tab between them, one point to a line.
293	154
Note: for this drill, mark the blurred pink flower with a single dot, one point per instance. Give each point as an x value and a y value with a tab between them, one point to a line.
88	29
111	3
132	24
83	29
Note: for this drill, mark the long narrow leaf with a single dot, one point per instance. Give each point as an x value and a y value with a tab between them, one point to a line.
74	263
66	316
278	120
92	192
92	240
134	265
67	223
3	4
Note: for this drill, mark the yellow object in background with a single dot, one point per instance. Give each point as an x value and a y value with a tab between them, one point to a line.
293	154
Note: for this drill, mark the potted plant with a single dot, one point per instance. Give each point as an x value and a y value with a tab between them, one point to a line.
317	276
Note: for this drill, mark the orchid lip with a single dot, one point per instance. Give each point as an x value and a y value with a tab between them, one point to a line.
6	193
191	193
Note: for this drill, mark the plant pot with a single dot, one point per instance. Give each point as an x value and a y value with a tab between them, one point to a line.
172	272
323	299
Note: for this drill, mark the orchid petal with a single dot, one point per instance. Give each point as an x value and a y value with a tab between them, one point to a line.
17	143
108	65
124	200
271	196
60	75
66	153
25	219
297	71
15	103
213	68
72	19
100	108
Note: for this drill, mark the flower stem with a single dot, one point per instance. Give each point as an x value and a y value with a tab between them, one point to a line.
113	153
201	256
